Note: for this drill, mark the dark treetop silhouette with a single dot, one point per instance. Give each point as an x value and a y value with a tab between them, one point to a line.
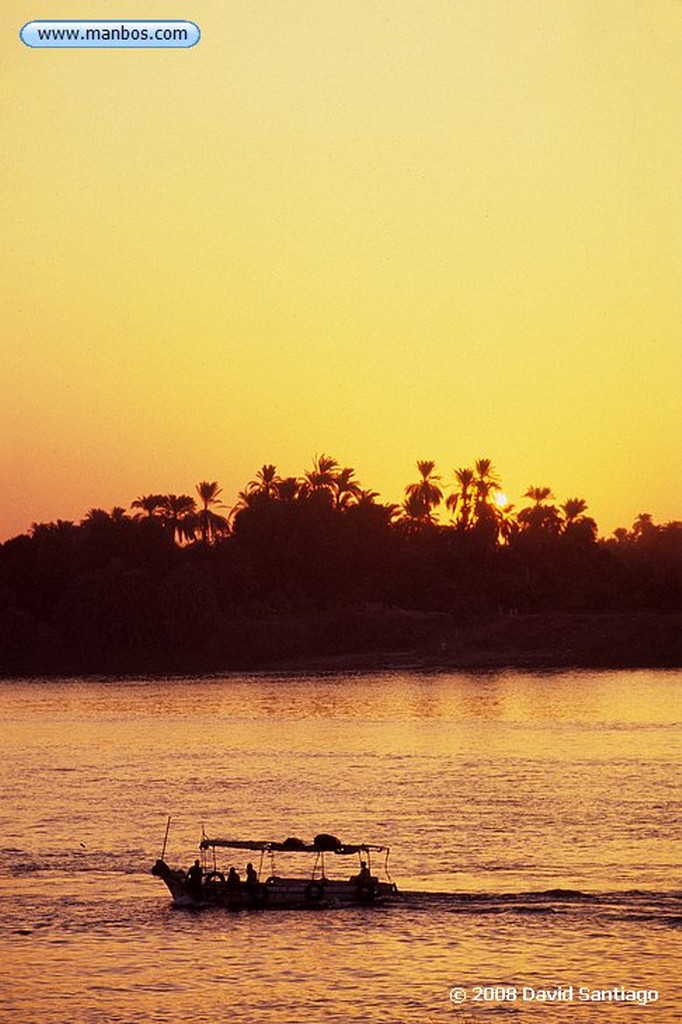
311	566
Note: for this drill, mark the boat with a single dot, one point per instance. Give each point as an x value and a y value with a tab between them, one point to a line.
277	880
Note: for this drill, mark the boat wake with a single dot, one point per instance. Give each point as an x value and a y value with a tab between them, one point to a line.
633	905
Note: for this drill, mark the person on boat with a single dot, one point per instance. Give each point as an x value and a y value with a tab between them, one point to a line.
194	879
251	875
365	874
233	879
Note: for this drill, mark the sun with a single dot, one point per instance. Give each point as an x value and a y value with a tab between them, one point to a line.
501	499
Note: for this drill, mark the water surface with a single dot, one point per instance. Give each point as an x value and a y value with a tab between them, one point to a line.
534	822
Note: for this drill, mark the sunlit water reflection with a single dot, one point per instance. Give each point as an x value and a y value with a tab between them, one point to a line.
534	820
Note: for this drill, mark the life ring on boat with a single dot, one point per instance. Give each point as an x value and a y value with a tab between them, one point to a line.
258	894
214	876
365	892
314	891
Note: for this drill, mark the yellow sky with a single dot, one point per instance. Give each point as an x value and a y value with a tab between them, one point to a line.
384	229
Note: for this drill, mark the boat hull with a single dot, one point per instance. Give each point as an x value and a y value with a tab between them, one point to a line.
275	893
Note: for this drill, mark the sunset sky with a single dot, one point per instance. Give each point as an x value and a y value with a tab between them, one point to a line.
388	230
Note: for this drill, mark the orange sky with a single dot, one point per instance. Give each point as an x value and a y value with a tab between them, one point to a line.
388	230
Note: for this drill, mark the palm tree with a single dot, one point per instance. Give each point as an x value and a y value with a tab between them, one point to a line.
425	494
322	477
211	524
365	498
413	512
178	512
507	526
245	499
149	503
643	527
539	494
99	517
263	488
347	489
485	483
460	501
95	516
266	481
573	508
62	526
576	525
288	489
540	519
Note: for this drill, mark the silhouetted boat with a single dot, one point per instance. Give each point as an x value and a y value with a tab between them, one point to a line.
267	888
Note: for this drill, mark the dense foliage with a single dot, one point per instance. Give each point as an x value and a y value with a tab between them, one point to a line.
179	582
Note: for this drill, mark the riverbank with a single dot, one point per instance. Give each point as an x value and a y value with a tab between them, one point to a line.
374	639
436	641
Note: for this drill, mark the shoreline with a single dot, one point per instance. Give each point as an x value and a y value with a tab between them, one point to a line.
390	640
540	642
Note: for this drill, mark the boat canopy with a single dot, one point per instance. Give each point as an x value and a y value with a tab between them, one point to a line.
290	846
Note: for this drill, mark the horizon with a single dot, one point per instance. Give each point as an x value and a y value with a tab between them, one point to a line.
388	232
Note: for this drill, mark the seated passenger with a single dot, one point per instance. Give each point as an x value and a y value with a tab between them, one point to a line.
233	879
364	874
251	874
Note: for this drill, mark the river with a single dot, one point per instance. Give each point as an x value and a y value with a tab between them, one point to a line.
534	821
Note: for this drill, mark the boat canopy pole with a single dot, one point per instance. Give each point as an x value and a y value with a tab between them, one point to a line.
165	838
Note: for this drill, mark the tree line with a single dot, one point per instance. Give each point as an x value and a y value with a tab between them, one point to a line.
179	579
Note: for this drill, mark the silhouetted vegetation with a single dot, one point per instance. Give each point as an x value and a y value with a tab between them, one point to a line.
317	566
